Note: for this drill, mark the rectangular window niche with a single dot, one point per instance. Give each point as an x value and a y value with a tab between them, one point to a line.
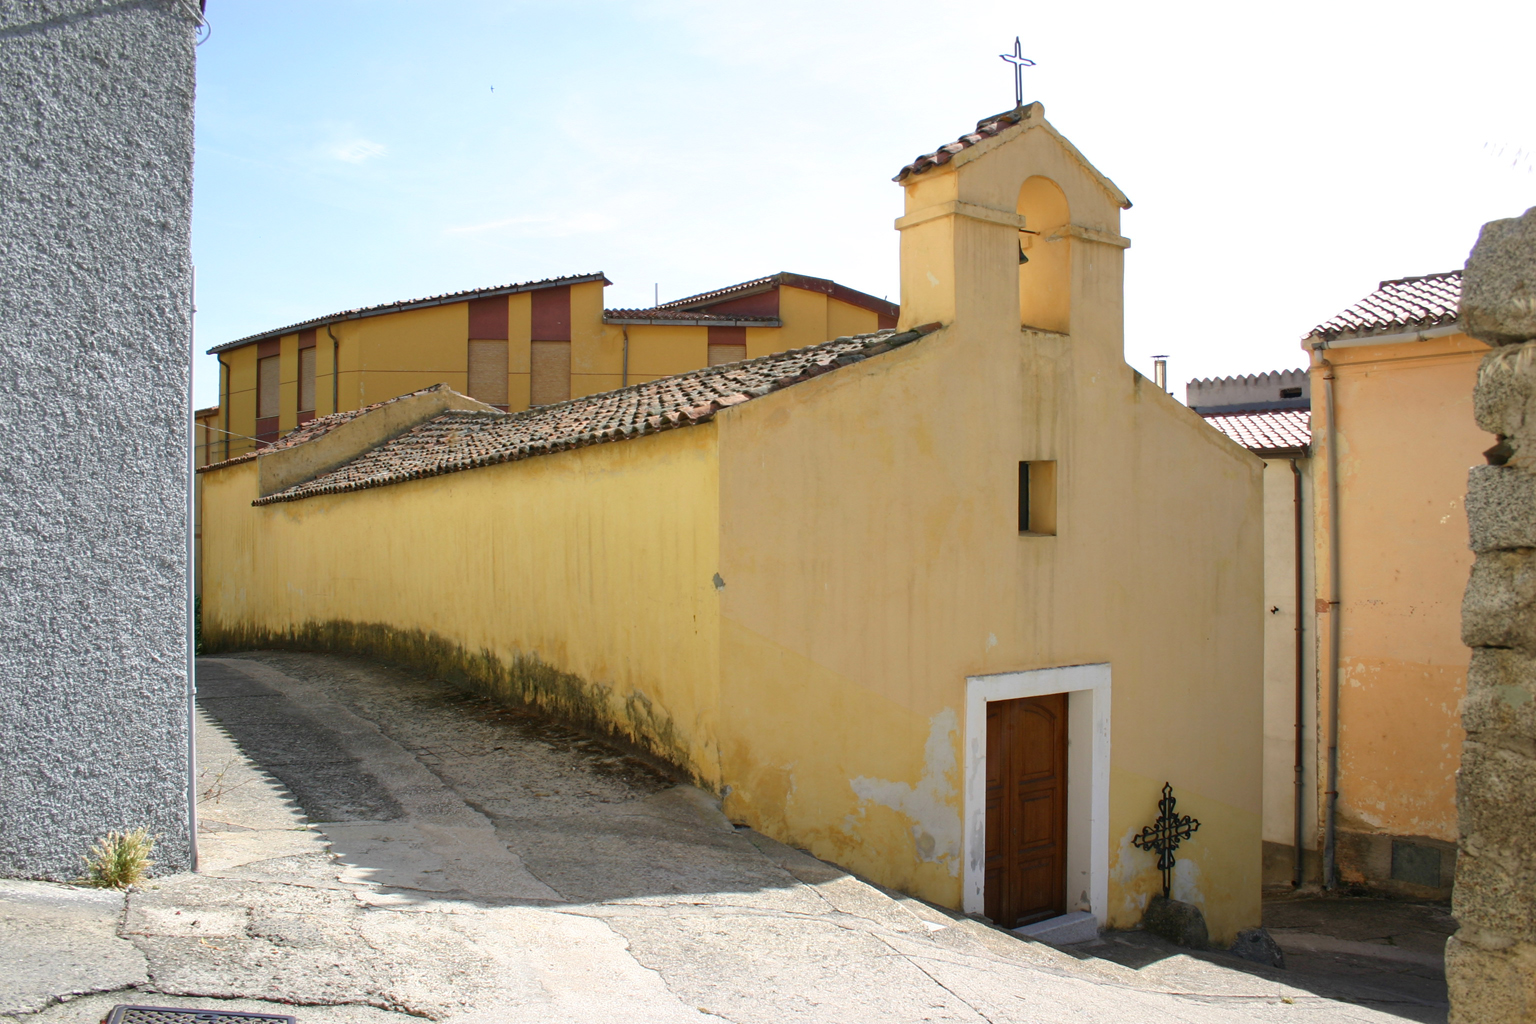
1037	499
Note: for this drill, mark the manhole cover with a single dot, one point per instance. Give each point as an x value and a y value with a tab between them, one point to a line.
189	1015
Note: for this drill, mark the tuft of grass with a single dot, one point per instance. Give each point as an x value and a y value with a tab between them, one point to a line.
119	860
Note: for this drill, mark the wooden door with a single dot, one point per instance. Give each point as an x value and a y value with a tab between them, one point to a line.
1026	874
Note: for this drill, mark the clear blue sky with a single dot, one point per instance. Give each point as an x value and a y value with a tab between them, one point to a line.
1283	158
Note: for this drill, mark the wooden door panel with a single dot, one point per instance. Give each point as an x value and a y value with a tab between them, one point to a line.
1025	875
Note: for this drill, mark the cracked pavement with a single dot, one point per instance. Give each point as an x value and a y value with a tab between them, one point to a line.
379	847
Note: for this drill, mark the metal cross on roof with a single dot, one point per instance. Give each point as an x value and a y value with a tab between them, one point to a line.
1164	835
1019	62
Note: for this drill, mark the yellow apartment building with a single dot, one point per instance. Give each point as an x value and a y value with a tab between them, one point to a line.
1393	437
516	346
948	605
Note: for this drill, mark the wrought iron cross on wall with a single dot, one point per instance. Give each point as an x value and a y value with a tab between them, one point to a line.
1164	835
1019	62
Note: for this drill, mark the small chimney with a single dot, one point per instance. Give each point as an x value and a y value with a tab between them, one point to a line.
1160	371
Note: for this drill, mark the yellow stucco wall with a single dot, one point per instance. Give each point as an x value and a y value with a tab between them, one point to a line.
1406	438
596	562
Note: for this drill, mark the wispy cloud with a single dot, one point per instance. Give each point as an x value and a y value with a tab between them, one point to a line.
539	226
356	151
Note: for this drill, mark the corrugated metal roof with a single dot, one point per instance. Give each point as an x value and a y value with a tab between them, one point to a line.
396	307
1274	430
1404	304
457	441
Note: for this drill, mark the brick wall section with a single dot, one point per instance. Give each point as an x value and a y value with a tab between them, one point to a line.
1491	960
95	225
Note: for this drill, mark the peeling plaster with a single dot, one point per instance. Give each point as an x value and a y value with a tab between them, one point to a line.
931	804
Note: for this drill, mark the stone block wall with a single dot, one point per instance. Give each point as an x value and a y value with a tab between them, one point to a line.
1491	960
95	319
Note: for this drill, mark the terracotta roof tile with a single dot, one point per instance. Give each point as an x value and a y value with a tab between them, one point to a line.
1272	430
1405	304
317	427
663	315
826	286
985	129
456	441
395	307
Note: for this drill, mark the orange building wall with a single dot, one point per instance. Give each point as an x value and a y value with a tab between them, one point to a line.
1406	438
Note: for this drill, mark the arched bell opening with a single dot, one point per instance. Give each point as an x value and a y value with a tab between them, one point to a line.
1045	257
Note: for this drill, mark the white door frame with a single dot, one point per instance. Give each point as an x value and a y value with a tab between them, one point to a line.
1088	694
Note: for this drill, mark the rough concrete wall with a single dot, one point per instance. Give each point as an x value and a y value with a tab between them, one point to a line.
95	224
1491	960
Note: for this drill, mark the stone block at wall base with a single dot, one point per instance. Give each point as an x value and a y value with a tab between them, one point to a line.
1504	398
1501	695
1415	867
1501	508
1490	985
1499	609
1180	923
1498	289
1259	946
1496	882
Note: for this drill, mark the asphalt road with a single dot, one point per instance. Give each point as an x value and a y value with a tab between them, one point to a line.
379	847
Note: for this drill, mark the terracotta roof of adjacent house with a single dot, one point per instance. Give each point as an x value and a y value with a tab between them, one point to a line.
456	441
316	427
1274	430
1404	304
994	125
686	317
758	285
396	307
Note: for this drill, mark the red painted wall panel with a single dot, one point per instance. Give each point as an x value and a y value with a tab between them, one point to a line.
766	304
552	314
488	317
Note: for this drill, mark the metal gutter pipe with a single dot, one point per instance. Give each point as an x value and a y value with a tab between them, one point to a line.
1335	614
189	589
335	370
224	401
625	381
1300	766
1387	339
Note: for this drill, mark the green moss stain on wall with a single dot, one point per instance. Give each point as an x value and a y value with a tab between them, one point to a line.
632	721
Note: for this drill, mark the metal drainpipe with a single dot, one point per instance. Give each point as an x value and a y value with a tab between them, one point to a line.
224	371
335	370
1298	875
1335	613
189	589
625	382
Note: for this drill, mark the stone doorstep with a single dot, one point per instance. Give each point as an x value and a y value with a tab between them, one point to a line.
1079	926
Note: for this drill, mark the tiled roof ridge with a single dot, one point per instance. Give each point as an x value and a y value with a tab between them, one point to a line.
996	124
384	308
1262	377
1442	275
722	293
320	426
986	128
657	416
1427	300
661	313
786	278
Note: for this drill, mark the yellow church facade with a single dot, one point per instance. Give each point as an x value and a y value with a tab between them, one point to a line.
947	606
